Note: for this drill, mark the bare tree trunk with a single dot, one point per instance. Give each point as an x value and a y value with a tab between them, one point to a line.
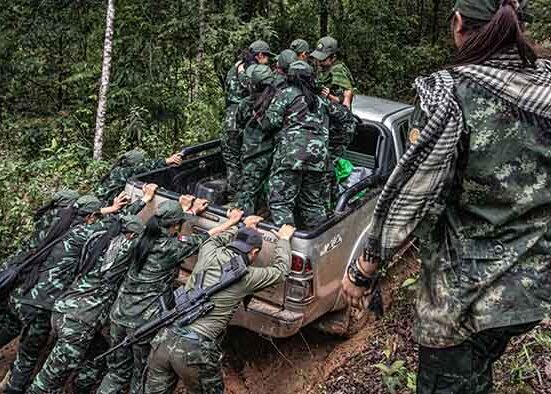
106	68
324	17
200	48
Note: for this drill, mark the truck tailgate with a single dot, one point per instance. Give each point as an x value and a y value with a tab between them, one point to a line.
274	295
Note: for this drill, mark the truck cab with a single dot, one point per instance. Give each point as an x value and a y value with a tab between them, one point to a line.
319	256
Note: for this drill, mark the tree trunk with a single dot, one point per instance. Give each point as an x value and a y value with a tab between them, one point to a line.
104	86
435	27
200	48
324	17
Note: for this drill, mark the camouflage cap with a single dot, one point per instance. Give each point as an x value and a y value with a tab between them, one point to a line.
326	47
260	74
285	58
300	46
88	204
133	224
484	10
133	157
300	67
65	198
260	46
170	212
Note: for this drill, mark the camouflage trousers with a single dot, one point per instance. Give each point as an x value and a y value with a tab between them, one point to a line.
76	345
34	337
194	359
300	193
126	365
10	326
255	171
231	141
465	368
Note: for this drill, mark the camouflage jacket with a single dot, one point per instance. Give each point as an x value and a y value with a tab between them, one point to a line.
90	296
485	261
212	255
59	269
236	90
337	78
138	299
342	128
303	137
256	140
115	182
236	86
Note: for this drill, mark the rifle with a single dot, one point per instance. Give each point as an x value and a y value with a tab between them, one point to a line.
10	276
190	304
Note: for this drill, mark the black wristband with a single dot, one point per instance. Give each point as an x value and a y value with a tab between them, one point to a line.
358	278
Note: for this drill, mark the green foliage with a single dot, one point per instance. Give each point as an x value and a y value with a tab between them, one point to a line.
28	184
395	374
164	96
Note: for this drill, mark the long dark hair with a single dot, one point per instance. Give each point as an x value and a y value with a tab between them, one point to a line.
146	241
307	85
249	57
262	99
485	39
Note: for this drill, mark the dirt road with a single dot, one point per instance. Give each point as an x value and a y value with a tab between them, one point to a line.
381	357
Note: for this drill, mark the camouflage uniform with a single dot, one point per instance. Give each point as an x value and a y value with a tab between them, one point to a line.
300	158
486	260
192	352
48	217
139	301
81	312
257	146
231	138
130	164
34	306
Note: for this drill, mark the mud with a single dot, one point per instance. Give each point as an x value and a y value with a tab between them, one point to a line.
314	363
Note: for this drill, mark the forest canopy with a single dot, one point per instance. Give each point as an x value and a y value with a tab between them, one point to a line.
169	61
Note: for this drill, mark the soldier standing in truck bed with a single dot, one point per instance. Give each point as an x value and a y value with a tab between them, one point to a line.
334	79
231	138
298	186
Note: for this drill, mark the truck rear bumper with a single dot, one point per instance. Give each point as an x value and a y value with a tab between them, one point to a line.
268	319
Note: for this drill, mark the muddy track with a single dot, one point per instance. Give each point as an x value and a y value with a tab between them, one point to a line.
314	363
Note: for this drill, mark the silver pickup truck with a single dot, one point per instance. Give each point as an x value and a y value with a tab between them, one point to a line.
312	291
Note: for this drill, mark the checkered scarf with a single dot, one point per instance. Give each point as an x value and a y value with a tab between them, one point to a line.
415	188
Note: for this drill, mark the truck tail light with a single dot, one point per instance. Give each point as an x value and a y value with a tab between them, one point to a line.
301	264
300	284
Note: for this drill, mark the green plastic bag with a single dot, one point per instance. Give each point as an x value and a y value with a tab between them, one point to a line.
343	169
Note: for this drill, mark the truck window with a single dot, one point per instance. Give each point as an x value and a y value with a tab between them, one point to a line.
362	151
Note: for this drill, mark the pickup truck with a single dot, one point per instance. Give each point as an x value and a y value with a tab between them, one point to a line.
312	291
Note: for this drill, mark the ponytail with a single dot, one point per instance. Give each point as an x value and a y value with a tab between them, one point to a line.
146	241
486	39
263	99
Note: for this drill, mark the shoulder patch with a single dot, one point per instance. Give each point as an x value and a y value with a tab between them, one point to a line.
414	135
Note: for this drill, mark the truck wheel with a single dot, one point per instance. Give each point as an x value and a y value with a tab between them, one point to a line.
344	323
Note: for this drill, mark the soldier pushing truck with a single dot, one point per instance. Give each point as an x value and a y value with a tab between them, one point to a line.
472	186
